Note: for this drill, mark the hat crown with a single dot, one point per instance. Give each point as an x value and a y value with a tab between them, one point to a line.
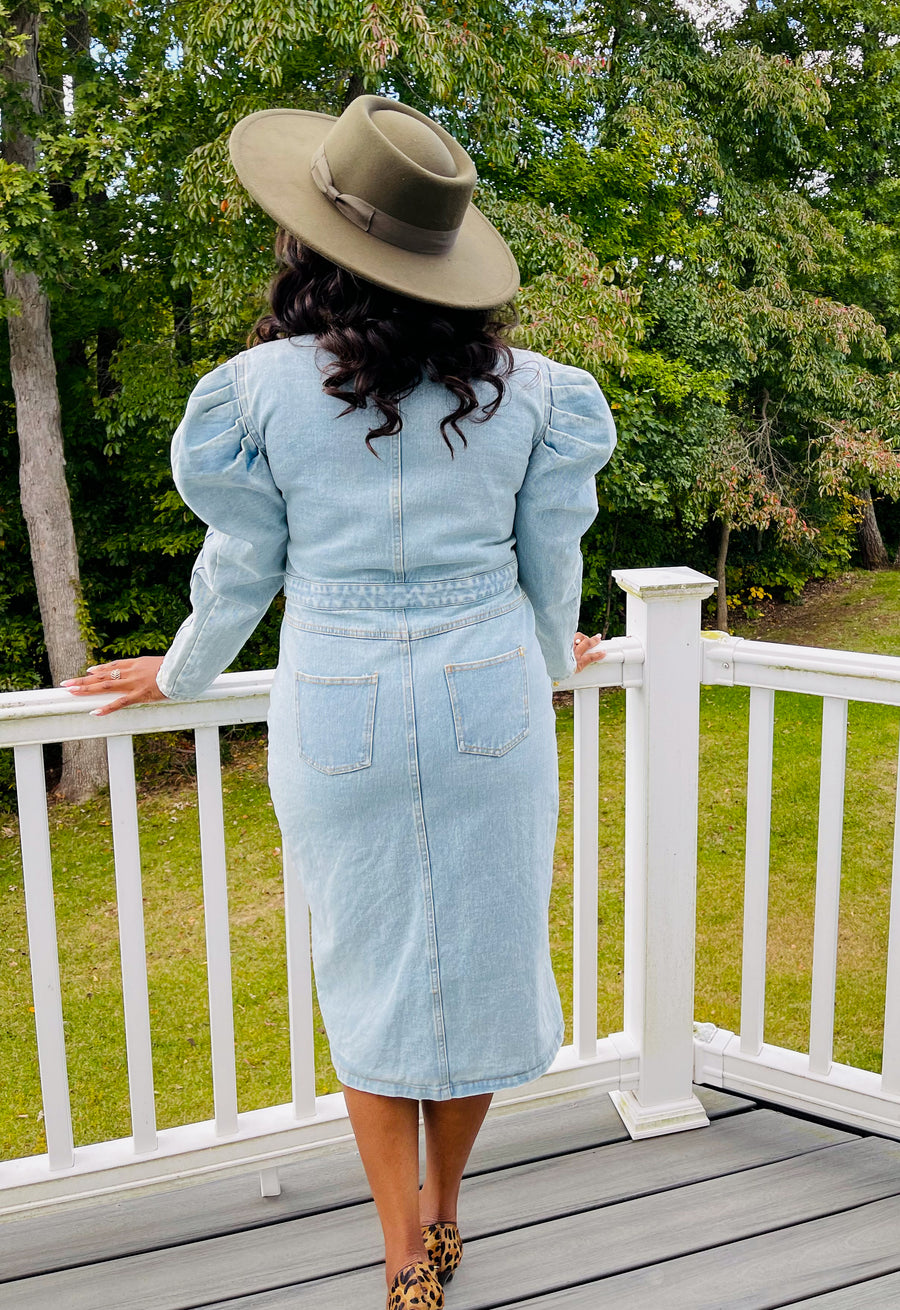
399	161
416	141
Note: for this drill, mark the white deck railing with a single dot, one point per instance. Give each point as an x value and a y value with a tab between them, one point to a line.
812	1082
648	1068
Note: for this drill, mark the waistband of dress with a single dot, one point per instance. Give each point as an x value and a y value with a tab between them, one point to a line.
432	594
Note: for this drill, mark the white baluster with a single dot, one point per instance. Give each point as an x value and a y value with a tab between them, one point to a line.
890	1064
218	940
756	869
37	874
132	943
586	893
662	760
828	883
300	1000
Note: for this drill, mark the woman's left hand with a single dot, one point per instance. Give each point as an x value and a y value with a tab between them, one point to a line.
134	679
585	650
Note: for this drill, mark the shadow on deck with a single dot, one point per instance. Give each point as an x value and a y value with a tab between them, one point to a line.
560	1209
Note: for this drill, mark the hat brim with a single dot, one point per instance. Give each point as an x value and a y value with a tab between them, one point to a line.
271	152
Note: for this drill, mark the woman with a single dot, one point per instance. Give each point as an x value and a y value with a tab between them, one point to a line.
420	491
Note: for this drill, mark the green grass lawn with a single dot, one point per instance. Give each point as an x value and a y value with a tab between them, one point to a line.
861	612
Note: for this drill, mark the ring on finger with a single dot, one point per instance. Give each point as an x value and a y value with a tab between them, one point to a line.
115	674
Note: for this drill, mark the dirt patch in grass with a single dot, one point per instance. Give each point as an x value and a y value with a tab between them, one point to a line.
856	611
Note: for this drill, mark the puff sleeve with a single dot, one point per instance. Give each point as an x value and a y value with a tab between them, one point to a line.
221	472
557	503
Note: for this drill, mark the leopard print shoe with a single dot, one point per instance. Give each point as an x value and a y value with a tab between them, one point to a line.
415	1287
444	1247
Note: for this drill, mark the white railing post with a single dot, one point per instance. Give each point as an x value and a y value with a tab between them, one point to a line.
661	773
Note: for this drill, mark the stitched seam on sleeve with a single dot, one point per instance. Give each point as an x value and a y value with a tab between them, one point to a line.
548	400
243	404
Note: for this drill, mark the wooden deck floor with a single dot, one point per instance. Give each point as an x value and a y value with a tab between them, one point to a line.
559	1212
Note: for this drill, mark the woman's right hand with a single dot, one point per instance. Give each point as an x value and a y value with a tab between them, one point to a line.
585	650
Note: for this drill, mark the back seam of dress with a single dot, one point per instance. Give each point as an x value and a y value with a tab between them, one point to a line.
397	507
425	863
547	387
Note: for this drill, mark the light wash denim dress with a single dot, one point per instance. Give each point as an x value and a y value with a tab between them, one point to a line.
430	601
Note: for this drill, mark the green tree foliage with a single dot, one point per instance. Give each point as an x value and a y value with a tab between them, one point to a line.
156	262
695	168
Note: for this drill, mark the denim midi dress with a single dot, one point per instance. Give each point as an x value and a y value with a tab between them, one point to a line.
430	601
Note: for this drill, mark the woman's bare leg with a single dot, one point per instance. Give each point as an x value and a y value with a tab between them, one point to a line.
387	1134
450	1131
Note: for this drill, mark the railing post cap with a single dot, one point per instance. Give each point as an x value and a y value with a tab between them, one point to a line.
665	584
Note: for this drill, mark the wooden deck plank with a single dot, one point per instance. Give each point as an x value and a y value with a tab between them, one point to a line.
109	1227
876	1294
762	1272
525	1263
255	1264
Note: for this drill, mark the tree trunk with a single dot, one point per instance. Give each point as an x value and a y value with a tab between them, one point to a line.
871	546
109	338
42	479
182	315
356	87
721	593
77	39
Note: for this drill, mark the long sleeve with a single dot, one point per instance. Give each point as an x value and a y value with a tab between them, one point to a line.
557	503
220	469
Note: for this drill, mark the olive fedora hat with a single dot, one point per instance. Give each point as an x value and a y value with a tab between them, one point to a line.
382	191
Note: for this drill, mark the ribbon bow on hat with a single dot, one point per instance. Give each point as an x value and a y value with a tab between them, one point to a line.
405	235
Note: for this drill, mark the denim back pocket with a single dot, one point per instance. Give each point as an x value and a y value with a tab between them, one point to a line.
489	699
336	721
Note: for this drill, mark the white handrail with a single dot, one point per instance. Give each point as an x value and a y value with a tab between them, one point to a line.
54	714
851	675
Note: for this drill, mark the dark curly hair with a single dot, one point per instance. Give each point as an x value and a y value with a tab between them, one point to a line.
384	343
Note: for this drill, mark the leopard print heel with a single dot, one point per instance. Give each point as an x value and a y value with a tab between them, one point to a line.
444	1247
415	1287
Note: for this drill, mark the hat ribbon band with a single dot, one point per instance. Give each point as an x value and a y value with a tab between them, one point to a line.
417	240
